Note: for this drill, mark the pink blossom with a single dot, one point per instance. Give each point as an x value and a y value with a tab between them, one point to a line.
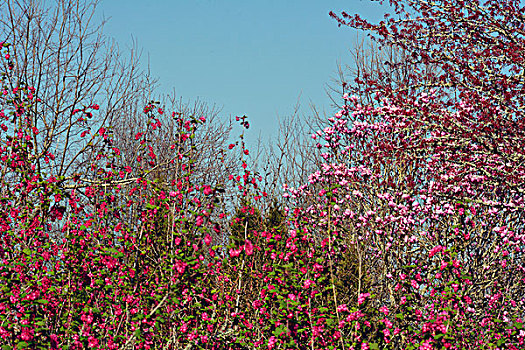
208	190
362	297
342	308
207	239
257	304
235	252
184	328
308	283
384	310
427	345
92	342
435	250
199	221
414	284
271	342
180	266
248	247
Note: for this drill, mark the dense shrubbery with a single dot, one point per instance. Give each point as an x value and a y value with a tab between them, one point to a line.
413	237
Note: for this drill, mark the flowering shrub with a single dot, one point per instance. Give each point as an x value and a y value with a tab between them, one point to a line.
415	238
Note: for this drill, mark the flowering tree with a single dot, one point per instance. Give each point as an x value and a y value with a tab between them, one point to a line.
426	178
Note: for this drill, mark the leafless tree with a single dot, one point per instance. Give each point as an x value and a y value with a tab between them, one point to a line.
85	87
61	51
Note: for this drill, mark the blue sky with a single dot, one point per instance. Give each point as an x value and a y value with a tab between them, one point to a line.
257	58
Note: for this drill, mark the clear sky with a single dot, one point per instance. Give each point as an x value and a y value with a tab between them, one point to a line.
248	57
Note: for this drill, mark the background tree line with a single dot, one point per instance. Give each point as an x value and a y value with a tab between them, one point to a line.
132	221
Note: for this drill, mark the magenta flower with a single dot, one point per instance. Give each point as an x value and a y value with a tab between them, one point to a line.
248	247
384	310
271	342
235	252
362	297
180	266
342	308
199	221
308	283
207	190
92	342
435	250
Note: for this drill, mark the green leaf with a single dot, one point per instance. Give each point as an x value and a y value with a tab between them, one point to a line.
373	346
280	330
22	345
27	251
